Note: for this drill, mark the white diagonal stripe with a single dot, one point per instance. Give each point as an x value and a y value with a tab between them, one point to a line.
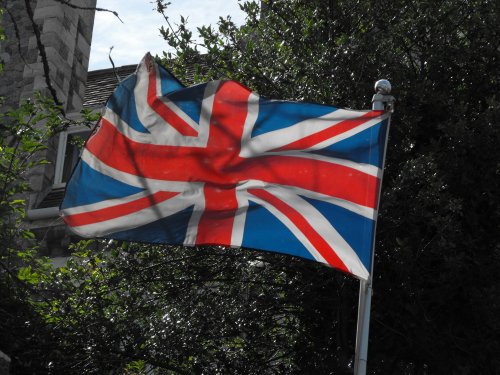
125	129
105	204
288	223
161	131
364	211
165	138
134	180
321	225
136	219
279	138
369	169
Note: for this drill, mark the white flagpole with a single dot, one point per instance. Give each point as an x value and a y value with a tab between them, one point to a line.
381	101
364	304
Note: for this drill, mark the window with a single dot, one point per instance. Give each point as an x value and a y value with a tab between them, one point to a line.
68	151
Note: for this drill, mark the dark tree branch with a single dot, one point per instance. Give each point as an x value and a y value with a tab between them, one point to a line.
153	361
40	45
43	55
113	64
71	5
161	10
16	32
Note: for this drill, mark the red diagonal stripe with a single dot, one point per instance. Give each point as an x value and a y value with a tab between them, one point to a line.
164	111
323	135
123	209
331	179
153	161
318	242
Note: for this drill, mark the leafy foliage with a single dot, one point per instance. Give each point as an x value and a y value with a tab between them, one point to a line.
24	135
435	308
184	310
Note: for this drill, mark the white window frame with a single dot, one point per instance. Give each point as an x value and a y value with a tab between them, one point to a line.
61	153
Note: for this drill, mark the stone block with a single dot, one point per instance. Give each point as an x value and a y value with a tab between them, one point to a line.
36	180
46	3
64	52
79	71
67	36
25	28
55	59
54	10
85	61
32	44
32	56
83	45
59	77
33	70
78	56
54	33
52	25
76	103
68	23
39	84
85	26
5	57
60	72
26	82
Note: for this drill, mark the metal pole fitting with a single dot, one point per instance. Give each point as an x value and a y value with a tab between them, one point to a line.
382	101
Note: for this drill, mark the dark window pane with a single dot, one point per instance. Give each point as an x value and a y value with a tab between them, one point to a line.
73	146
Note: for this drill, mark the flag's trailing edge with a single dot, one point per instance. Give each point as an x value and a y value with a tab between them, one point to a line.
217	164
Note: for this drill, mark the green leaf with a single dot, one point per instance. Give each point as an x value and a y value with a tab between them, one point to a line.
28	235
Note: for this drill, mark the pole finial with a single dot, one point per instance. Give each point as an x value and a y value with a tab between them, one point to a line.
382	100
383	86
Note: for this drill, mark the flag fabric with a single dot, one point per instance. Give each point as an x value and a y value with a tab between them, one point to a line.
217	164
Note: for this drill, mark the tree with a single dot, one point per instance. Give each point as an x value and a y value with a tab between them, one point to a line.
435	305
24	134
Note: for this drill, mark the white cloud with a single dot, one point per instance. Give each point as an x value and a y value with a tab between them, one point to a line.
139	32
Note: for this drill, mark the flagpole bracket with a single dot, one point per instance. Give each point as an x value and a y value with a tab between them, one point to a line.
382	101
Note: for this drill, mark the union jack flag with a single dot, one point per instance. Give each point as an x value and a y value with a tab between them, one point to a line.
217	164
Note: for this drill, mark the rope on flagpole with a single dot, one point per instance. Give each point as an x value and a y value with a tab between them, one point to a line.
381	101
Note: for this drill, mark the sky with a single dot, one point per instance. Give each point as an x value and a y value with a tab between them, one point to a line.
139	32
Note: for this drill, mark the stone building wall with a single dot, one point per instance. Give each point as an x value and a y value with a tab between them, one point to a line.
66	34
14	52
